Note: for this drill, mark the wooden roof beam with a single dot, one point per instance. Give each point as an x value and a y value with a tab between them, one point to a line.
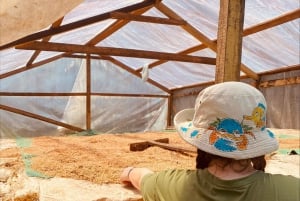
184	52
25	68
115	27
281	70
273	22
39	117
280	82
75	25
128	69
248	31
148	19
71	48
201	37
36	53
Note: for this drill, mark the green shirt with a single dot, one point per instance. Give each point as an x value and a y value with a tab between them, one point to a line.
194	185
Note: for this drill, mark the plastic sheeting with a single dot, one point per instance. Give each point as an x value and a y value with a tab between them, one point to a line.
264	51
260	51
109	114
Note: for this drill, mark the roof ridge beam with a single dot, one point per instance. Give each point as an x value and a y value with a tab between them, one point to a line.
149	19
201	37
75	25
272	22
57	23
110	51
248	31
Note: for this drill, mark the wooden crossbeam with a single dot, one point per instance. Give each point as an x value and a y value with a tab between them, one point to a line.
49	94
71	48
248	31
201	37
39	117
273	22
280	82
25	68
132	71
148	19
115	27
75	25
46	39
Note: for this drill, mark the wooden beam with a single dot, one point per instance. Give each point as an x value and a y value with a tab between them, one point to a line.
36	53
127	68
39	117
75	25
281	70
184	52
131	95
194	85
148	19
251	30
201	37
88	92
111	29
273	22
72	48
80	94
280	82
169	111
25	68
230	29
39	94
115	26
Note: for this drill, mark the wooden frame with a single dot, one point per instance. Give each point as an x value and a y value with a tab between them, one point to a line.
123	16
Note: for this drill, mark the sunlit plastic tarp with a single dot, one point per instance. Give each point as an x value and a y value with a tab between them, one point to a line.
266	50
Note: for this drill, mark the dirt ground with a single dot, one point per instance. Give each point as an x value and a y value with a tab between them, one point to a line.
99	159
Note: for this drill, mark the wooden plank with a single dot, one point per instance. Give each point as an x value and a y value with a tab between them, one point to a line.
75	25
110	51
36	53
115	26
127	68
25	68
201	37
281	70
248	31
39	117
39	94
280	82
273	22
111	29
169	111
148	19
88	92
184	52
229	51
80	94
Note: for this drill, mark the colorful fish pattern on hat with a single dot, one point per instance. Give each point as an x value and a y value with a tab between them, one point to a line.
229	134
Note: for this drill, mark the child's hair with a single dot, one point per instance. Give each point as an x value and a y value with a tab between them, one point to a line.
203	160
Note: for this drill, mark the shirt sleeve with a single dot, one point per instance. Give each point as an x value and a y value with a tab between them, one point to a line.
148	185
162	185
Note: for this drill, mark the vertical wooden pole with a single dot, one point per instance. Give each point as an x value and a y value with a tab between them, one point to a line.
229	43
88	92
170	112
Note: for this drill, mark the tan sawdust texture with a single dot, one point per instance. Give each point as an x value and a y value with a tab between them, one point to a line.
101	158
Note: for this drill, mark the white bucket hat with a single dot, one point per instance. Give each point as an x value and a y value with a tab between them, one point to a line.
229	120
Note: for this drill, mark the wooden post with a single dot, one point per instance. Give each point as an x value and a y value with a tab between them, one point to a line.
170	111
88	92
229	42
